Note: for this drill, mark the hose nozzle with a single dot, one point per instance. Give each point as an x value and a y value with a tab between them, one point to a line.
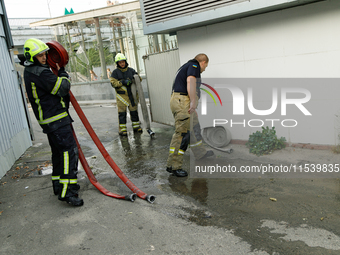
150	198
151	133
131	197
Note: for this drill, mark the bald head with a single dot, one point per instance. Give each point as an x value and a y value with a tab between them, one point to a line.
203	60
202	57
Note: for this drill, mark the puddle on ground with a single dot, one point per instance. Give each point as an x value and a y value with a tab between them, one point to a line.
237	204
241	205
137	155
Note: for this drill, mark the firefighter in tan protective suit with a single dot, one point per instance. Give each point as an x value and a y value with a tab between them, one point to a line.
183	102
121	79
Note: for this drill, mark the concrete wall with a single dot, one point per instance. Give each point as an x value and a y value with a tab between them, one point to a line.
99	90
297	42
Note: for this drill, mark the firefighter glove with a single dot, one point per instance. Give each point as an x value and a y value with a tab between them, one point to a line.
126	82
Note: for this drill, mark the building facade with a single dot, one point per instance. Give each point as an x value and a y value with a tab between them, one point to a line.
93	38
263	39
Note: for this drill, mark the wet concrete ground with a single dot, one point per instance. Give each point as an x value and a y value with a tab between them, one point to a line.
270	214
242	205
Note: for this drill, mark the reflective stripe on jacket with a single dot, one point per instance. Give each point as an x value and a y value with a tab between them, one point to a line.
49	96
116	78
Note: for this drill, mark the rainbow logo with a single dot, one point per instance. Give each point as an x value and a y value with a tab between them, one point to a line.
209	93
204	97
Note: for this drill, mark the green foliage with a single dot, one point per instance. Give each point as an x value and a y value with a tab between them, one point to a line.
94	59
336	149
265	142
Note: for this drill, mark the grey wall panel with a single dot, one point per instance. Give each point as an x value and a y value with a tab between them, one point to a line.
170	16
14	133
161	10
160	72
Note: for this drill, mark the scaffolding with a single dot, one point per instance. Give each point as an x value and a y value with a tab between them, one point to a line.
93	38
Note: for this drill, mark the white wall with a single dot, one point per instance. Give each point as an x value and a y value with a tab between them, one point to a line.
297	42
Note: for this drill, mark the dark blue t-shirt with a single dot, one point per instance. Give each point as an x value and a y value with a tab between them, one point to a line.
191	68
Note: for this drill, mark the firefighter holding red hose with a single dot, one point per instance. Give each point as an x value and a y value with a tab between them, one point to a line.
121	79
49	98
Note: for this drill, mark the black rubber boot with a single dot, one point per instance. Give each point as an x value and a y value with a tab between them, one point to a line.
169	169
74	200
179	173
56	187
138	130
122	121
71	196
122	133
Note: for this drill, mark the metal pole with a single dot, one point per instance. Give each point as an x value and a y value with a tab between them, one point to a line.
163	42
48	5
114	35
101	48
156	43
84	47
121	44
71	53
135	47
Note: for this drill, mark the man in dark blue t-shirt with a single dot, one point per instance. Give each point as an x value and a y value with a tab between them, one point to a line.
183	104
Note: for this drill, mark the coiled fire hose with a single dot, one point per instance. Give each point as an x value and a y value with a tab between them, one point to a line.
138	87
217	137
107	157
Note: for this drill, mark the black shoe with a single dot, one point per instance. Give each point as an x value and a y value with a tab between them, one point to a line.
208	154
74	200
169	169
138	130
57	187
180	173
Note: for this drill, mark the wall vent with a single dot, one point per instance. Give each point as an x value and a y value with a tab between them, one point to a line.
161	10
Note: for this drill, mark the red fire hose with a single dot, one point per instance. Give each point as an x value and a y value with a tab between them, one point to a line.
93	179
109	160
56	54
60	55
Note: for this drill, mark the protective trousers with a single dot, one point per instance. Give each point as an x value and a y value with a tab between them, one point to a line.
184	132
123	101
64	160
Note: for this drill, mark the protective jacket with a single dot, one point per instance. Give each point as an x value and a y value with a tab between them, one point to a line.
49	95
120	74
125	97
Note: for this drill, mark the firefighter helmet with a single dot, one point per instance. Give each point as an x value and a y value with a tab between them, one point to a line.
34	47
119	57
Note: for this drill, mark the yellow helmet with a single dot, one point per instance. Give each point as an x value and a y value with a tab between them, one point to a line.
120	57
34	47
